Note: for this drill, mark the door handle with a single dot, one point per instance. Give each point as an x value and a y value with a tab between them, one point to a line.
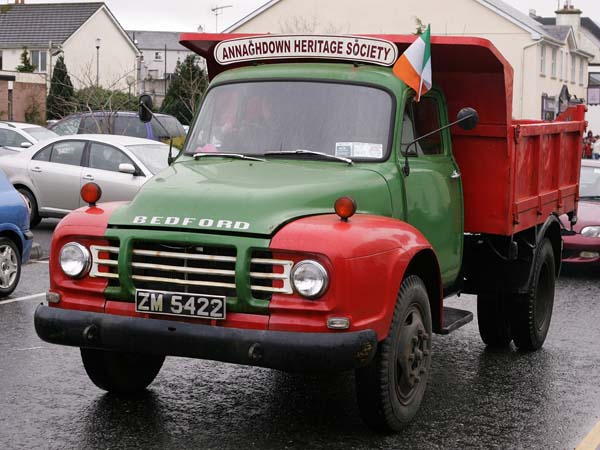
455	175
88	177
36	169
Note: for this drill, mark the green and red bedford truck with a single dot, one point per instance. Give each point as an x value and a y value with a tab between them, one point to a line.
318	217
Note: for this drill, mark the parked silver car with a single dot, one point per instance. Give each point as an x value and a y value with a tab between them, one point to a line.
15	136
50	174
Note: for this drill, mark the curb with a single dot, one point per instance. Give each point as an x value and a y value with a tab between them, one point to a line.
36	252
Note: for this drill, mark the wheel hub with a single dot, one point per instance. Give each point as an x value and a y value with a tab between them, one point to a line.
413	355
8	266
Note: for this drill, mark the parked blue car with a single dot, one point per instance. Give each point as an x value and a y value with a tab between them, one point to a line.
125	123
15	236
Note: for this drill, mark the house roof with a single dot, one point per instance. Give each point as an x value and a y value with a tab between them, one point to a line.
586	22
35	25
558	32
156	40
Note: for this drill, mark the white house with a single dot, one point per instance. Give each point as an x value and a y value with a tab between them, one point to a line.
544	57
95	46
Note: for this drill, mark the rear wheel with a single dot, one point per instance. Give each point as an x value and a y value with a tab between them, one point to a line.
493	320
390	389
122	373
34	216
10	266
533	311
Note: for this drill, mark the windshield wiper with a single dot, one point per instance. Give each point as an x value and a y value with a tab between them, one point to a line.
228	155
310	152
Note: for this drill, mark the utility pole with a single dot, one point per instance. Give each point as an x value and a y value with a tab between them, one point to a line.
217	11
165	76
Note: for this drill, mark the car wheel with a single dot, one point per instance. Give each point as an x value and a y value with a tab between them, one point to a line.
121	373
493	319
10	266
390	389
34	216
533	311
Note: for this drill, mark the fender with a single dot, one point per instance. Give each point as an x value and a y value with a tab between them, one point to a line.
549	229
366	257
88	226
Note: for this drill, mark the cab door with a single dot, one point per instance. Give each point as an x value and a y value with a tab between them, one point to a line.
434	199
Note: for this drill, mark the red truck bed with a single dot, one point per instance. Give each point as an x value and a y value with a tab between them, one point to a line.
515	172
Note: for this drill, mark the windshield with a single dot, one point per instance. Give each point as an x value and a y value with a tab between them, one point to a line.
254	118
40	133
589	183
172	127
153	156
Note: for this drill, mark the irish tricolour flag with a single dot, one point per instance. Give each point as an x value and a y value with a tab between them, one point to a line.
414	65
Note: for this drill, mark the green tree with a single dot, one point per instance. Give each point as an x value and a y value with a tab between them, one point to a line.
25	65
61	98
185	91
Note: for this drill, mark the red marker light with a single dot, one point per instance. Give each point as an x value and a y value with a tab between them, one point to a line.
91	193
345	207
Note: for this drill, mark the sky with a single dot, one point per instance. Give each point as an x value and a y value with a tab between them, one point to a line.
188	15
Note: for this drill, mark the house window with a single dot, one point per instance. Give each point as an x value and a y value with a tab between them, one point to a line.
581	70
553	71
38	59
560	65
158	56
543	59
573	67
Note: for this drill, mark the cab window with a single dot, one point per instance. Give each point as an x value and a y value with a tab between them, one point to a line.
421	118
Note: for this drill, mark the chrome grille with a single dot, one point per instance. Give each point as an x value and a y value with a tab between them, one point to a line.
193	268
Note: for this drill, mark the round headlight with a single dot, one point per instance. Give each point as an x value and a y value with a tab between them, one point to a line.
593	231
75	260
310	279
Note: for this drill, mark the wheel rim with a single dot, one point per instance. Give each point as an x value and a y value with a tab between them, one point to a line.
544	295
8	266
413	355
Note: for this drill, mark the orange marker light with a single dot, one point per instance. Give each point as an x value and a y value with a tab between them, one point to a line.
345	207
91	193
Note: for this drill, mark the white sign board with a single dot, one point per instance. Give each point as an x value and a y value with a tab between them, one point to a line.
361	49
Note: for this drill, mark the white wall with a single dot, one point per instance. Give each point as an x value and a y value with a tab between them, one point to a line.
117	56
458	17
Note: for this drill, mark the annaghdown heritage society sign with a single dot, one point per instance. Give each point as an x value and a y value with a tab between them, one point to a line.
371	50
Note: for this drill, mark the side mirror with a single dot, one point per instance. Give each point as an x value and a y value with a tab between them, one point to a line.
467	118
26	144
127	168
145	108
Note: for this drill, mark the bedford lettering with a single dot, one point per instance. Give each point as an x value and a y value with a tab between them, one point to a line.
191	222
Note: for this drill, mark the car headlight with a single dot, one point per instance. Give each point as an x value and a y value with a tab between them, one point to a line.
75	260
310	278
593	231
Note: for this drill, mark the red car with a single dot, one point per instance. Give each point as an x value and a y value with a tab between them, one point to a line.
584	247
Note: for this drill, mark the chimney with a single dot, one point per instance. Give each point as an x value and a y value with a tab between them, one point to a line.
569	16
19	2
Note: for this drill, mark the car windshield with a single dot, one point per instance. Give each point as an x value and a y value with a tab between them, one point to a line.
253	118
153	156
589	183
40	133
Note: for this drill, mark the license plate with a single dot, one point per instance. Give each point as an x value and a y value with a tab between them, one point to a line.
180	304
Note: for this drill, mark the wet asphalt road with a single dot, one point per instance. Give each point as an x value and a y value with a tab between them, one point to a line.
475	398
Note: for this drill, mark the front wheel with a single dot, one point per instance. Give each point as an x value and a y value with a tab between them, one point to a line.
533	311
10	266
390	389
121	373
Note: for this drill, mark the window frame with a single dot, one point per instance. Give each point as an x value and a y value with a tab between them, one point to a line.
553	64
433	95
542	60
88	150
85	144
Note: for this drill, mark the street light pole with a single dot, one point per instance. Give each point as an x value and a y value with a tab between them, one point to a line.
97	62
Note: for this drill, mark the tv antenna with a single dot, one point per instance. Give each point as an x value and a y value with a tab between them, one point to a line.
217	11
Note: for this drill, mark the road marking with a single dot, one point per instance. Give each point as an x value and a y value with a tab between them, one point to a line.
22	299
592	440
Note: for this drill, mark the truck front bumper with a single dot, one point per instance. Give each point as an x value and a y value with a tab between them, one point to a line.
289	351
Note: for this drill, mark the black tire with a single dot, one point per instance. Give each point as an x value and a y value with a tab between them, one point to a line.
120	373
493	320
530	319
390	389
34	216
10	266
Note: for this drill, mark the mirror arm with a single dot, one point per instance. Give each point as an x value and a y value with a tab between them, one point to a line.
406	168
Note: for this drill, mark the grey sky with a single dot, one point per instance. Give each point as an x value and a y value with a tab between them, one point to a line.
187	15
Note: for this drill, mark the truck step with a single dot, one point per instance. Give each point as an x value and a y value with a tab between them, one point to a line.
454	319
